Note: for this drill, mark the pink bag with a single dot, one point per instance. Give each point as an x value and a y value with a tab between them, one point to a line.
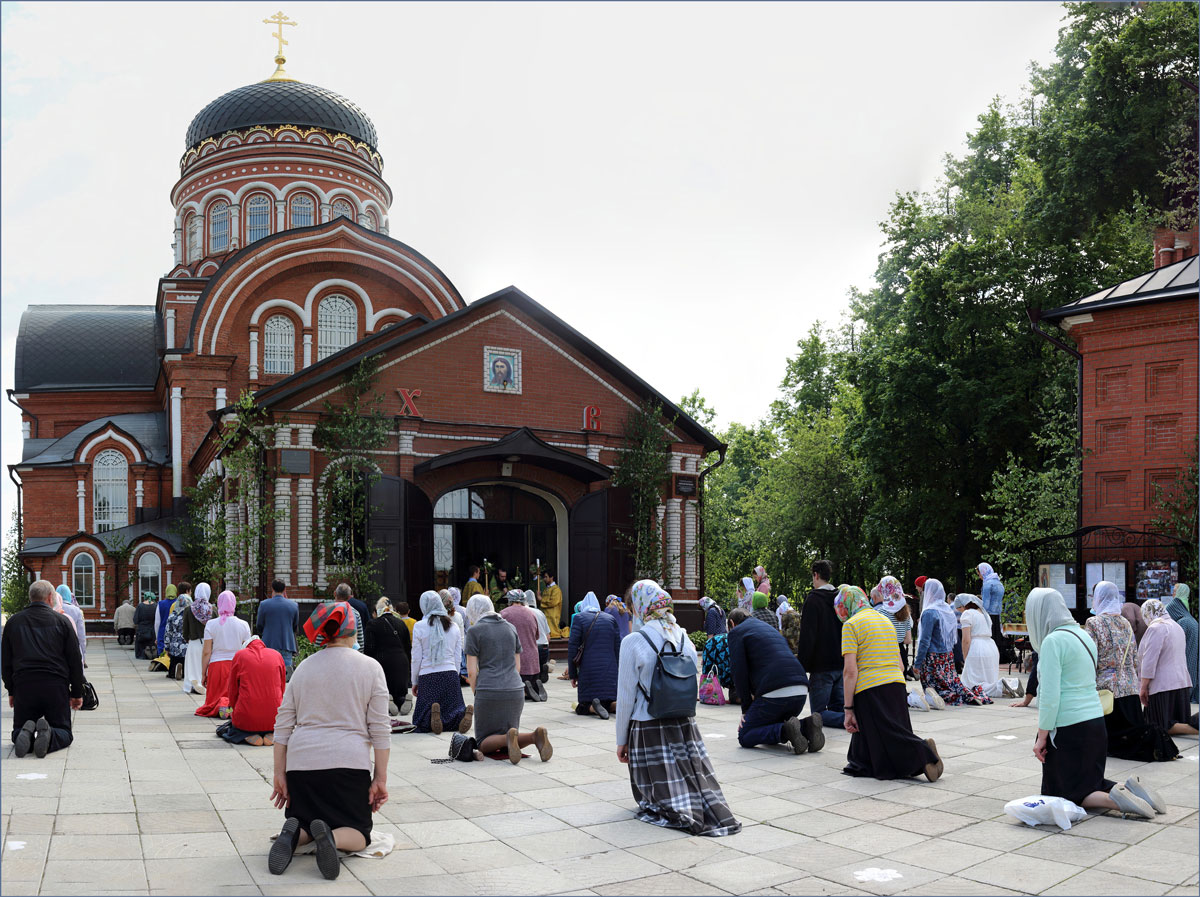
711	691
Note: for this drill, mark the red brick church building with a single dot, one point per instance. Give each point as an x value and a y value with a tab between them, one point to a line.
505	420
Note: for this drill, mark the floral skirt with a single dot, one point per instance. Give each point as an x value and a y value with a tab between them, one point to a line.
938	673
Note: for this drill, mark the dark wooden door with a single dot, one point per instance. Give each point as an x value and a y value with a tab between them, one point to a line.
417	570
587	549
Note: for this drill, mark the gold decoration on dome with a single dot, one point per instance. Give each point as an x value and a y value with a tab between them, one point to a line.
280	20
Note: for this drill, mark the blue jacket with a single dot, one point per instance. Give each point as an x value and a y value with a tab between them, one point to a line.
934	636
601	641
992	595
278	618
761	661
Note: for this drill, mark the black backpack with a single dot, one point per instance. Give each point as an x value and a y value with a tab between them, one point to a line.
674	686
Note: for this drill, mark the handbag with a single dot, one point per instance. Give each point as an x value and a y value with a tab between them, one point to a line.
710	689
90	700
578	659
1105	694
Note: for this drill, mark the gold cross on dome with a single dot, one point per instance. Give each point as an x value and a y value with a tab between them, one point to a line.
279	19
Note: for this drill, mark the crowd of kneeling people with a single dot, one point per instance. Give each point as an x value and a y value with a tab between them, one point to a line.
1122	686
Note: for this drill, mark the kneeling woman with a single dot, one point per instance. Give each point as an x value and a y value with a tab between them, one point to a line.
1071	739
882	743
935	651
436	649
223	637
594	671
333	710
494	671
672	778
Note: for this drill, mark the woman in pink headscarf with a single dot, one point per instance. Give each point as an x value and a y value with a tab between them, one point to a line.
223	636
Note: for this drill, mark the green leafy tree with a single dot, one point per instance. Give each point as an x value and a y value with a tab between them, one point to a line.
643	468
16	578
1178	511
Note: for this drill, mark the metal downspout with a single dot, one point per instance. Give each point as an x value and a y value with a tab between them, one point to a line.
700	516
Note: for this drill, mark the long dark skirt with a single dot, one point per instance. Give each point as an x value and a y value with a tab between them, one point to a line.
397	668
338	797
673	780
885	746
443	689
1130	737
1166	708
939	674
234	735
1074	766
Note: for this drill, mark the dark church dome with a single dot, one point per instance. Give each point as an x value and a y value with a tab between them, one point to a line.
279	102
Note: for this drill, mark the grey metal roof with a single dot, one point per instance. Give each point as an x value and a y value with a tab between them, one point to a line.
86	347
1175	281
149	428
31	448
43	545
162	529
282	103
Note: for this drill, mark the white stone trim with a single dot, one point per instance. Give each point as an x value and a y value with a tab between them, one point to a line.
103	570
81	495
304	531
283	526
673	542
169	327
176	441
139	491
96	553
221	398
278	303
690	545
150	543
253	354
110	433
232	528
307	340
25	429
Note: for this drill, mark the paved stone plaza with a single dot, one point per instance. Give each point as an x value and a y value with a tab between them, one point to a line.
149	801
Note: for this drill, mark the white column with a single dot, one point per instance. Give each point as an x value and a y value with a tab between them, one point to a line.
25	429
253	354
178	244
690	545
283	525
661	511
81	494
307	349
325	211
283	438
676	462
139	492
129	582
170	328
235	214
221	400
231	542
252	520
673	543
177	441
304	434
64	578
280	215
169	573
304	531
404	443
103	590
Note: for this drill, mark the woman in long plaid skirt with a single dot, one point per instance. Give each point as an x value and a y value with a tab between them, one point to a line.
669	770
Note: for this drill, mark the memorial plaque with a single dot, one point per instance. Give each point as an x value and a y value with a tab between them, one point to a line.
295	460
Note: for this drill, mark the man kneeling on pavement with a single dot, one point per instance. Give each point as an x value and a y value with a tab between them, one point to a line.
772	686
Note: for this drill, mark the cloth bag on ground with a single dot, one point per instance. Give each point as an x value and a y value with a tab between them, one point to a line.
1042	810
711	691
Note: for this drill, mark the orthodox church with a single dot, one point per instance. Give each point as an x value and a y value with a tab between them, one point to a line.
504	421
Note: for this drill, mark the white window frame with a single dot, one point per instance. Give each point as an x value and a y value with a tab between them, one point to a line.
110	491
279	345
218	227
83	582
349	209
150	571
261	228
337	324
311	212
195	238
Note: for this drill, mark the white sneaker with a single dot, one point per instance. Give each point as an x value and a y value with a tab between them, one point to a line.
934	699
917	702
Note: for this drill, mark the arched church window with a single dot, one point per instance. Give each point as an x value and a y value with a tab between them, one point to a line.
110	491
343	208
372	220
337	325
83	579
302	211
149	574
279	345
258	218
218	227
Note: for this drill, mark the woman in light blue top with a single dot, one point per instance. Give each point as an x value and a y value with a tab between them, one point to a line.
1071	739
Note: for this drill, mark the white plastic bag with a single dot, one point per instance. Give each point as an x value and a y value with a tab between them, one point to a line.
1042	810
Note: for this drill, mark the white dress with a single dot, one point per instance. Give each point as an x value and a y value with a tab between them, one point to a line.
193	668
982	664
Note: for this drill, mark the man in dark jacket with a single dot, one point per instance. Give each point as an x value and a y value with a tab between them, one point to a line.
43	672
143	621
772	687
278	621
820	647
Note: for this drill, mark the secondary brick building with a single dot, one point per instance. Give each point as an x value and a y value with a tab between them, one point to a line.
505	420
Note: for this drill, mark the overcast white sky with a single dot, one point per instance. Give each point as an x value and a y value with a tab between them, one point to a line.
688	184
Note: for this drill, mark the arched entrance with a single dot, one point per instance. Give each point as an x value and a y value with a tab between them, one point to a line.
509	525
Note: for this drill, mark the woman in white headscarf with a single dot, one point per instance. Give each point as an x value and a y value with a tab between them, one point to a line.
1166	684
1071	739
715	622
669	770
195	618
745	595
436	648
981	657
935	652
494	671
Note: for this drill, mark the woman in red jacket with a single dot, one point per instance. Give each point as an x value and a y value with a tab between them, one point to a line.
256	683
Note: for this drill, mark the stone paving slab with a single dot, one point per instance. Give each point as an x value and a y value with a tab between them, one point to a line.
148	801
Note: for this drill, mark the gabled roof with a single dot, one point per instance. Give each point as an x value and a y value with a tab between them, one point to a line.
522	443
338	364
66	347
1174	281
147	428
161	529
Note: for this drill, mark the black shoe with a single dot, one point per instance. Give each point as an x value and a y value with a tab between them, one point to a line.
530	692
328	860
815	732
284	847
41	738
541	692
601	710
544	675
24	739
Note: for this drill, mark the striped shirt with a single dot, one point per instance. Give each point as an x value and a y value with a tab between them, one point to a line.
903	627
869	635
